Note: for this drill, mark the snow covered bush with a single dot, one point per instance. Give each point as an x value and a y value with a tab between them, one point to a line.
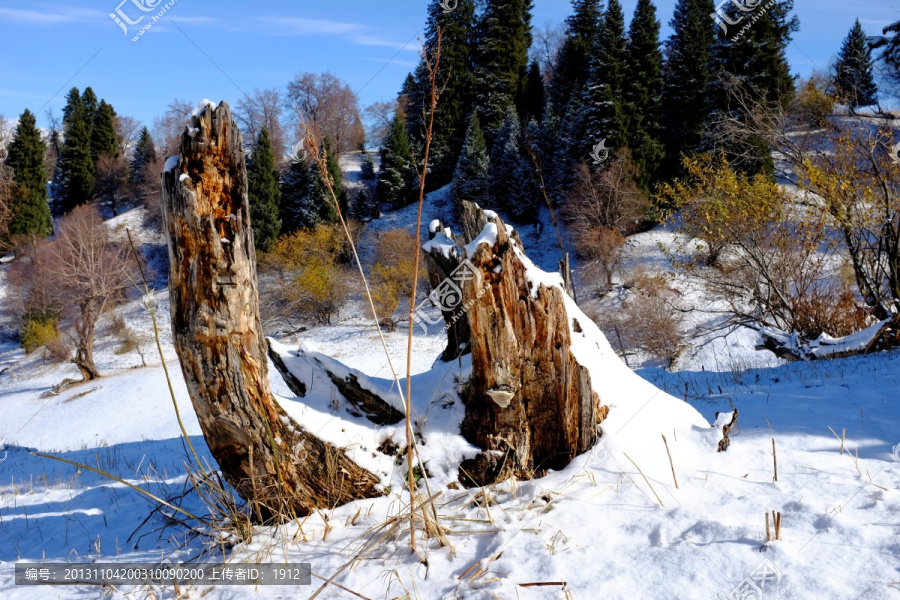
37	332
311	280
602	248
392	274
774	263
646	321
608	197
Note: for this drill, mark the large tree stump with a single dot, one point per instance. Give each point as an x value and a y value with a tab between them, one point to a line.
218	335
529	403
442	259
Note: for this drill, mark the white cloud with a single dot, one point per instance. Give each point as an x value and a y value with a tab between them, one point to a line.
371	40
299	26
51	15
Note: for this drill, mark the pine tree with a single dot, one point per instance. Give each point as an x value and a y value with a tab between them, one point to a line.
367	170
29	210
103	132
77	166
853	80
531	102
687	75
523	206
504	162
303	201
397	175
457	30
144	154
407	99
264	193
365	205
91	106
470	181
643	91
889	43
755	63
334	171
500	59
602	116
572	63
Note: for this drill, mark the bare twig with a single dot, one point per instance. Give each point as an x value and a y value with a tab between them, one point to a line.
671	464
646	480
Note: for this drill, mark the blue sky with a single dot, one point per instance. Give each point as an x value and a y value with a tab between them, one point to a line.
217	49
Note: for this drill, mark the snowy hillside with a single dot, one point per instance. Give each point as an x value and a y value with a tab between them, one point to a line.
613	524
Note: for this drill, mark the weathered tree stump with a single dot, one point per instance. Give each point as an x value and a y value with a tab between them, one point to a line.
471	220
442	258
529	403
218	335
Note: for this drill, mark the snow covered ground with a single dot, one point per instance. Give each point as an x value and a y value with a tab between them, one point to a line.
597	529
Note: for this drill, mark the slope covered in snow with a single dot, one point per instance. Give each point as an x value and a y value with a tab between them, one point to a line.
613	524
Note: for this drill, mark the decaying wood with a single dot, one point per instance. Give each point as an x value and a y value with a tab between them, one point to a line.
369	405
529	404
218	336
293	382
887	337
471	220
726	429
440	267
364	402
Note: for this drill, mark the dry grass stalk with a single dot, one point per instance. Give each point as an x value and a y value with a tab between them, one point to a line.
671	464
775	459
646	480
432	66
378	535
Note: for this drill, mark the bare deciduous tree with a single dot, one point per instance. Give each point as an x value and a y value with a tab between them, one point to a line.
606	197
326	105
378	117
774	261
127	131
7	185
548	41
263	110
849	178
6	134
86	273
111	181
168	127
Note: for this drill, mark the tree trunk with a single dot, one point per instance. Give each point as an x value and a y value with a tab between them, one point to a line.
84	346
442	259
218	335
884	335
529	403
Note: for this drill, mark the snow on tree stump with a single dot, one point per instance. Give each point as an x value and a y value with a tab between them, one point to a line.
529	403
442	259
269	459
